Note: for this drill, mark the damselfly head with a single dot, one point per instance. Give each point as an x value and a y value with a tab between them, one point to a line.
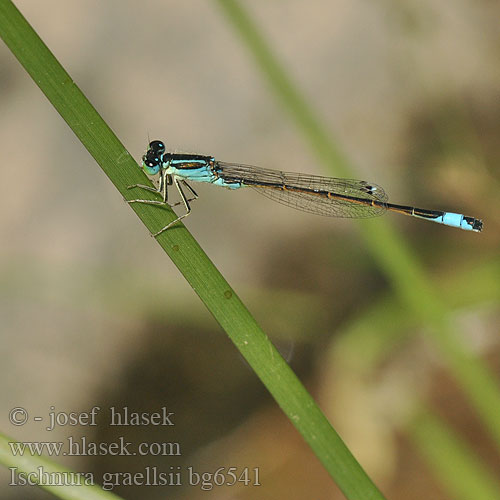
151	161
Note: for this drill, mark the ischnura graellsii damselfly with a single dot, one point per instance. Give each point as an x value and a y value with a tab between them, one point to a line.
310	193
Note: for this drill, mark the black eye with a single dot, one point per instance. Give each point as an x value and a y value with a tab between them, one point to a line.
157	147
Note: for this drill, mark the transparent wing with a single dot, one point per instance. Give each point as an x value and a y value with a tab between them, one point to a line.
309	193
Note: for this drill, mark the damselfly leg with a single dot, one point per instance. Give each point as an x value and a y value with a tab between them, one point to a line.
167	180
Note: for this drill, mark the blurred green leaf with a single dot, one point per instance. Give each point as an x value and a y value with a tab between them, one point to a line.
452	460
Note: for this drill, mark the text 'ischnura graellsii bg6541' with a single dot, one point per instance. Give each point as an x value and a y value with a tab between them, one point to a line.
310	193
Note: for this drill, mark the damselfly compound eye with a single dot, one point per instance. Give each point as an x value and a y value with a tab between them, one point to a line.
151	163
157	147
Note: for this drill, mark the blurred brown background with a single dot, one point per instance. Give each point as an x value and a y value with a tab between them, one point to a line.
93	312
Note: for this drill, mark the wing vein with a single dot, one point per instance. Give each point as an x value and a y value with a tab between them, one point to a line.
316	194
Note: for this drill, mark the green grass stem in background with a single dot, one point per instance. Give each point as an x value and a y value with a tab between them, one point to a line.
393	254
187	255
452	460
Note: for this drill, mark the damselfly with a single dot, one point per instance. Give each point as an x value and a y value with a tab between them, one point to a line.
310	193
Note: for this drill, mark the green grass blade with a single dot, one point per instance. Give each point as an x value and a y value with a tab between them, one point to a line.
187	255
391	251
